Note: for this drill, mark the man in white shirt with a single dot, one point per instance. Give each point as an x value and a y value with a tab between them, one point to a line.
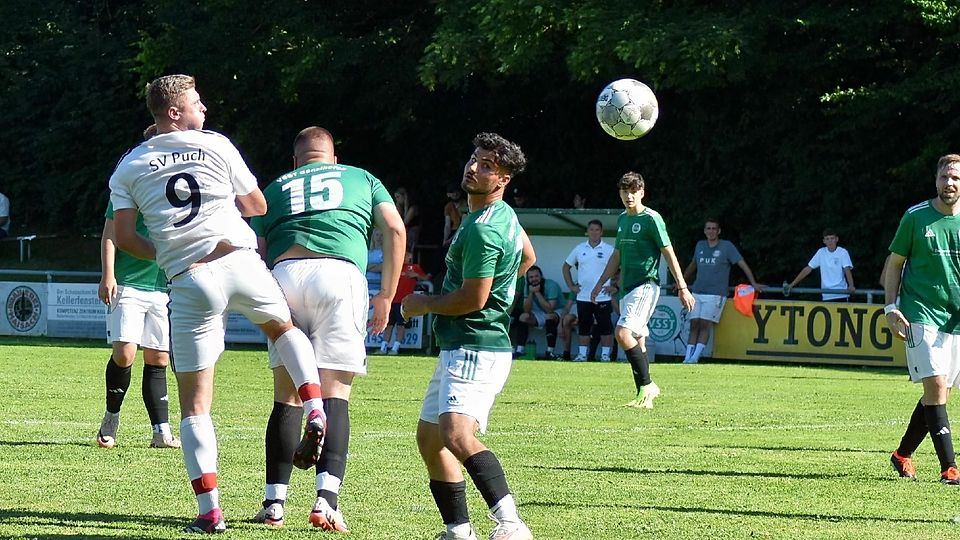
193	189
590	259
835	269
4	216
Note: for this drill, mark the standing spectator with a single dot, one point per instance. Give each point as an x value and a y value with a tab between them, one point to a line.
924	249
541	299
135	292
410	213
641	239
590	258
712	259
568	321
835	269
210	259
579	201
520	198
409	276
4	216
486	256
317	248
375	259
453	213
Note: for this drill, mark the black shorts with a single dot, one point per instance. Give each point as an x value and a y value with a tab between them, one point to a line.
396	318
589	314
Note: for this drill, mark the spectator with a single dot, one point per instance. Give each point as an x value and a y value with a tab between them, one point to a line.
411	216
409	275
453	213
4	216
590	258
375	259
579	201
712	259
519	199
541	298
568	321
835	269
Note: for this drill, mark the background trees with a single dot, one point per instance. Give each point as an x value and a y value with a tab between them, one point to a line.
779	118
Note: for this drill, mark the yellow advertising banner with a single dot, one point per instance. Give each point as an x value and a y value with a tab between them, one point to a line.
809	332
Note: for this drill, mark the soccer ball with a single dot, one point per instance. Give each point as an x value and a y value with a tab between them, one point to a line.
627	109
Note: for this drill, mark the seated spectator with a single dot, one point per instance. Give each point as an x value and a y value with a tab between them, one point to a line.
541	299
409	276
375	260
410	213
4	216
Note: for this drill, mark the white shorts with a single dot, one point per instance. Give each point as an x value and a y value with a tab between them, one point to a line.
328	300
139	317
708	307
199	299
932	353
466	382
637	307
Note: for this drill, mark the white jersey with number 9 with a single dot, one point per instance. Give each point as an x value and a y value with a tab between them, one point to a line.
185	184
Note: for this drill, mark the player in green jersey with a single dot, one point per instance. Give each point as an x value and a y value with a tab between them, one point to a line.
641	239
922	290
135	292
487	254
314	237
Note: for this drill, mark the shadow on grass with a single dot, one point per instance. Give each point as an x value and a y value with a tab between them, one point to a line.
832	518
693	472
112	522
46	443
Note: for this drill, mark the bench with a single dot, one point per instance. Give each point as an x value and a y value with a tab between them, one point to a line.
26	243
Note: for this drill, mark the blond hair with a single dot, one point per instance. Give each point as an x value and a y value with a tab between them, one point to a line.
947	161
167	92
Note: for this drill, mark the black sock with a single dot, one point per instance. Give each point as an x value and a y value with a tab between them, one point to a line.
118	381
487	474
451	499
641	368
551	330
283	436
154	390
915	433
333	455
939	427
523	333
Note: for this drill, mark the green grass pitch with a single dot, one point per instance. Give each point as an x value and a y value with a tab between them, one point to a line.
730	451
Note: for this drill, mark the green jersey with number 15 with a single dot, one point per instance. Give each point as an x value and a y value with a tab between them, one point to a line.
488	244
324	207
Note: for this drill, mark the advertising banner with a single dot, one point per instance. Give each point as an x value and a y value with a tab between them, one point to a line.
24	309
74	310
413	338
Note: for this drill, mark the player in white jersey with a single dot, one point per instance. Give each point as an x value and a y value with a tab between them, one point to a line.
193	190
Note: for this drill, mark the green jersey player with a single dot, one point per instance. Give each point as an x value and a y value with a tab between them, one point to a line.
135	292
641	239
486	255
923	308
314	237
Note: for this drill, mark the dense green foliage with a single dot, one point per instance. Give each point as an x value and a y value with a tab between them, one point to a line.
802	456
780	118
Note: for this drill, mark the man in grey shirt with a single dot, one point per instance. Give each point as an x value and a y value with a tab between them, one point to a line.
712	259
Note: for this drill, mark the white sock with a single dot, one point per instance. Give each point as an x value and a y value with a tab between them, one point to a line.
383	346
604	351
200	456
521	349
162	428
689	355
328	482
697	352
396	345
583	350
460	531
506	509
296	353
275	492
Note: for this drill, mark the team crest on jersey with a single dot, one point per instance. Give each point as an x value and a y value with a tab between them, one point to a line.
636	228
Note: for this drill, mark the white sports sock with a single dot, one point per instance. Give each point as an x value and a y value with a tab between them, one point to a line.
583	350
506	509
521	349
396	346
604	351
697	352
690	349
199	442
162	428
296	353
275	492
328	482
460	531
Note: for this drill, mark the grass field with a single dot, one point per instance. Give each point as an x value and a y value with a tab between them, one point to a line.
730	451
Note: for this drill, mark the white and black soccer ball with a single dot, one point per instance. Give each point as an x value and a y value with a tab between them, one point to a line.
627	109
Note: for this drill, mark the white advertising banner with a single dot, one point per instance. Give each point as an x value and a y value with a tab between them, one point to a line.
24	309
412	340
74	310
